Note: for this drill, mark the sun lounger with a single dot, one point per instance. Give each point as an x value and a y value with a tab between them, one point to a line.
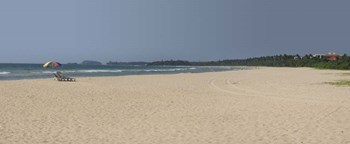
60	77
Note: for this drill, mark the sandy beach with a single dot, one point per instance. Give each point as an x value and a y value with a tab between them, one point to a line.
258	106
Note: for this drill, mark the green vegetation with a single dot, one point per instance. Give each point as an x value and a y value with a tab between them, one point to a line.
340	83
343	62
287	61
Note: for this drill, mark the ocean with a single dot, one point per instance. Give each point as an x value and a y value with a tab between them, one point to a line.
36	71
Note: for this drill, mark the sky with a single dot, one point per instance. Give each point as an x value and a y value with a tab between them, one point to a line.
37	31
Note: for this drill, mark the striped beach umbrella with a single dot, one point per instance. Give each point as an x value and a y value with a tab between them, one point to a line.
52	64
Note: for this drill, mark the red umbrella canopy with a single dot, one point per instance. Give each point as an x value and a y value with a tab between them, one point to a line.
52	64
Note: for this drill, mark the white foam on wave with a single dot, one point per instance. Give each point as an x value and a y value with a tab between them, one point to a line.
48	72
81	71
164	70
113	71
4	73
69	71
100	71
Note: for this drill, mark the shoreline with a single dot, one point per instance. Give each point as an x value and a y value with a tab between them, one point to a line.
239	68
232	68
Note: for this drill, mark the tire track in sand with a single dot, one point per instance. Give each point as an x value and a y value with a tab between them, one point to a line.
313	123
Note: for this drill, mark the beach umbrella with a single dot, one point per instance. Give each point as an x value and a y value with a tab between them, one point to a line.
52	64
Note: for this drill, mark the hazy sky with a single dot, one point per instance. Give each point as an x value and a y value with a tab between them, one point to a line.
146	30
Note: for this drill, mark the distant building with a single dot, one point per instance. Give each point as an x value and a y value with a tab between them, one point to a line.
320	56
297	57
332	56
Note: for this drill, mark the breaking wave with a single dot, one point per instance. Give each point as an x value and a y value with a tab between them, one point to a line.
164	70
99	71
4	73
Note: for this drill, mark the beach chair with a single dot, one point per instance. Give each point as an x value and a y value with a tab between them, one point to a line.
60	77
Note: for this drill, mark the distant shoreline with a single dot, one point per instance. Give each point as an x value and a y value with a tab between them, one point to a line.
37	72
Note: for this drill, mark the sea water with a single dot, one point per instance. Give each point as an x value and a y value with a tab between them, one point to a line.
34	71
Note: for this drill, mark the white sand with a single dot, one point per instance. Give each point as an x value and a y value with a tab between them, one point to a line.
265	105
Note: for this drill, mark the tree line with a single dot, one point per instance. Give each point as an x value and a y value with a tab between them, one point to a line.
343	62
